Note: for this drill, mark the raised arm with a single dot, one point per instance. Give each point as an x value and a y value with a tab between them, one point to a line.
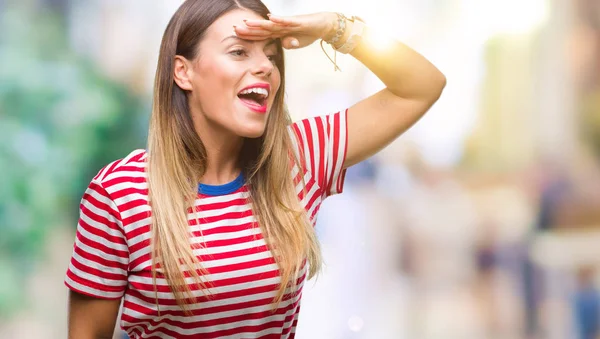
412	83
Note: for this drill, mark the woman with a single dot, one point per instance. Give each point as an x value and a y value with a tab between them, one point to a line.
233	187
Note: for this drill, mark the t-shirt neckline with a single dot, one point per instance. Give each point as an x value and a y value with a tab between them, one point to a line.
227	188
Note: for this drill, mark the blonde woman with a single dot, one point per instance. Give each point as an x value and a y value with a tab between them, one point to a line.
209	232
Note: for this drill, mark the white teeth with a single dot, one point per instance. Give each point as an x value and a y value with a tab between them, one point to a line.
257	90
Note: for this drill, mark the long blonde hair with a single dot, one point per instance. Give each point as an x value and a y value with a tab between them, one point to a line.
177	161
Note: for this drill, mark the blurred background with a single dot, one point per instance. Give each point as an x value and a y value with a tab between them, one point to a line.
482	221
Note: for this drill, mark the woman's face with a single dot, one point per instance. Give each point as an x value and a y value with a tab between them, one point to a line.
233	81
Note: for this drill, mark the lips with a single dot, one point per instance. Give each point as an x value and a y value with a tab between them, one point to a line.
253	105
255	97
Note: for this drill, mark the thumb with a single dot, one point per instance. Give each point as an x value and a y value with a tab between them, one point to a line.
290	42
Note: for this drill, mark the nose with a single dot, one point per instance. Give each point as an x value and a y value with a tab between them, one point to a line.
263	66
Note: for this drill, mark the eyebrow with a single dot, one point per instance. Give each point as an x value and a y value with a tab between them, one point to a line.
271	41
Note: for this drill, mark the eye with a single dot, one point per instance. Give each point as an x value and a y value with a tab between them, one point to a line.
238	52
275	57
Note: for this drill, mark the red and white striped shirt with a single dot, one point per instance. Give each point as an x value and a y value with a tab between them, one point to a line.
111	257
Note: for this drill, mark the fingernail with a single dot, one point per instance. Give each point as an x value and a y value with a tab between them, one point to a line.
294	43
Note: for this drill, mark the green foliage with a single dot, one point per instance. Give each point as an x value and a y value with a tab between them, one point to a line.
60	122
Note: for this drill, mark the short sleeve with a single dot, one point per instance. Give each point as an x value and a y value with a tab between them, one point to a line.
100	259
321	143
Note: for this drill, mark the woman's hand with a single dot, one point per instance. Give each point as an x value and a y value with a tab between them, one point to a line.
295	31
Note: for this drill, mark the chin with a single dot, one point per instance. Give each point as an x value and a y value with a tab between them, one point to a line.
253	134
252	131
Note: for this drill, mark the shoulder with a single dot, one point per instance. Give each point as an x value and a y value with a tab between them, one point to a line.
320	125
130	169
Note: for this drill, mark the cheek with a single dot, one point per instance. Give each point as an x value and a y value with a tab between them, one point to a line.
216	84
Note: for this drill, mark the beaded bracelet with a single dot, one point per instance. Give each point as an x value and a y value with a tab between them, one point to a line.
355	36
339	32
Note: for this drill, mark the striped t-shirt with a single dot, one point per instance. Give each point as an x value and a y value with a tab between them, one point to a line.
111	257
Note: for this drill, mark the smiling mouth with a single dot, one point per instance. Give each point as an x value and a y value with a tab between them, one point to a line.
255	99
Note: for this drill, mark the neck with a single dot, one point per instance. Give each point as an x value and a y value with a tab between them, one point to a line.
222	165
223	151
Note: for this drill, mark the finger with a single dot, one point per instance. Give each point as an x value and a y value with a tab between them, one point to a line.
275	28
265	24
249	32
290	42
255	37
287	21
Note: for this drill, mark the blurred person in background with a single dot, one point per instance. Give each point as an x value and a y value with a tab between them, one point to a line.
586	304
204	233
553	187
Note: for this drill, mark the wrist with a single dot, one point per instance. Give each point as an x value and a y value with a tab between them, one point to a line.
344	36
337	29
352	36
331	26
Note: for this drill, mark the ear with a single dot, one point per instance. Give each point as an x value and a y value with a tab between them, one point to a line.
182	72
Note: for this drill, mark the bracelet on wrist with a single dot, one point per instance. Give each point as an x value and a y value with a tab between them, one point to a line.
355	36
353	39
339	31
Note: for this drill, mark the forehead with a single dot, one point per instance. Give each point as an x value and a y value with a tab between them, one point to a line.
223	26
